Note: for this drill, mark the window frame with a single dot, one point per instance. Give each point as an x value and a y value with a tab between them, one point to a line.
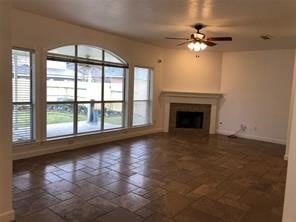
31	103
79	60
148	101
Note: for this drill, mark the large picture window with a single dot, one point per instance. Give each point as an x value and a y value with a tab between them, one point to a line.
22	97
85	90
142	106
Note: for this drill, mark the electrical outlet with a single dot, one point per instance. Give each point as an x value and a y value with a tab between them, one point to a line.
243	127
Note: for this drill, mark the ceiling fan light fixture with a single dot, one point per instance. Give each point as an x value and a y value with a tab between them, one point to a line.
199	35
198	41
197	46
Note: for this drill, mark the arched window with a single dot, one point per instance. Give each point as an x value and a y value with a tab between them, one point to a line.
85	90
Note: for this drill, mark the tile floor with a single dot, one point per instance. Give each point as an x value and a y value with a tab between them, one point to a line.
155	178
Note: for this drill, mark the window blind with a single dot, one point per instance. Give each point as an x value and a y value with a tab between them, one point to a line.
22	114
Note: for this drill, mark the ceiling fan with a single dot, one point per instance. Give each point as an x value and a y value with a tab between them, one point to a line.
198	40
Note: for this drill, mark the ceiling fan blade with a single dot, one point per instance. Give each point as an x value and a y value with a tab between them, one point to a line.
220	39
209	43
177	38
183	43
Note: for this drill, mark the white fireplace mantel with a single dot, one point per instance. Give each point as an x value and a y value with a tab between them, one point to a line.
169	97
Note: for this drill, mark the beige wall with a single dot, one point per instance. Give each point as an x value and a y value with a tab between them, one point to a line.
257	88
6	213
184	72
38	32
290	194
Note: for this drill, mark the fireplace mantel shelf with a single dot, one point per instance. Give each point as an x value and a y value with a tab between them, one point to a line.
190	94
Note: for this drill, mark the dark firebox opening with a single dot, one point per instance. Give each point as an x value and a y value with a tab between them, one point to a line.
189	119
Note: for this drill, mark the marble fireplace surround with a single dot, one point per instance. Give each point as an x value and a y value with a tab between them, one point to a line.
212	99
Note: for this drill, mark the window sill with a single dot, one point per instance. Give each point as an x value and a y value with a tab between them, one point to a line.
29	142
72	137
86	134
141	126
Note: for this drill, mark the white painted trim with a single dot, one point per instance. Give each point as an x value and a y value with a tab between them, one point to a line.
254	137
7	216
75	143
191	94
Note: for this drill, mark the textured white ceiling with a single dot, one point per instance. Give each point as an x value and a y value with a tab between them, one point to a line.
152	20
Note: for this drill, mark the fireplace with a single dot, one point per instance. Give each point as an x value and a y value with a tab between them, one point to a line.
193	118
205	103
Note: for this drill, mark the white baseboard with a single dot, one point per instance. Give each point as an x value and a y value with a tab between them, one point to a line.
7	216
42	148
253	137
